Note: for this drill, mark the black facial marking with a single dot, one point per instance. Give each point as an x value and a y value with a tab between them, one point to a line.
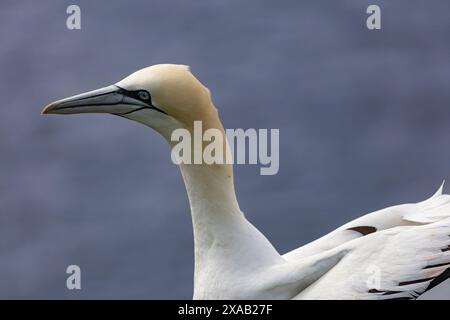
129	112
141	95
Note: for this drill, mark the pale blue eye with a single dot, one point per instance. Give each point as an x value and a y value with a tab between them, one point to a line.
143	95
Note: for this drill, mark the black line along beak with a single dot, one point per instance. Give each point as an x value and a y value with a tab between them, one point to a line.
111	99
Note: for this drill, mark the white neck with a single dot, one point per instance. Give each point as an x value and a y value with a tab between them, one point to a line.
213	202
227	246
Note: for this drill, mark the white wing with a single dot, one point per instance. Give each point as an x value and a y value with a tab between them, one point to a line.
399	263
431	210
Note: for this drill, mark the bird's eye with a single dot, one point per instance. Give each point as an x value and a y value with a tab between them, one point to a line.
143	95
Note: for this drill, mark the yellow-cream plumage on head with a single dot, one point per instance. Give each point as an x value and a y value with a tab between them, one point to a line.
175	90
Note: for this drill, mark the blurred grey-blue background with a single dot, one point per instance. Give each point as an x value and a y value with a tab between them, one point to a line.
364	121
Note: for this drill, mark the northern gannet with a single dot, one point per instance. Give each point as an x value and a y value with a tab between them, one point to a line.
395	253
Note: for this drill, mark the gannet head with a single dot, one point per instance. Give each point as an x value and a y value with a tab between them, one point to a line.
163	97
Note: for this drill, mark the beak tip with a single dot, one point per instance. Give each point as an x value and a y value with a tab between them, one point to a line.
51	108
46	110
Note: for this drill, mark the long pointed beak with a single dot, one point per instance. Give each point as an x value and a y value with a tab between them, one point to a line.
105	100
